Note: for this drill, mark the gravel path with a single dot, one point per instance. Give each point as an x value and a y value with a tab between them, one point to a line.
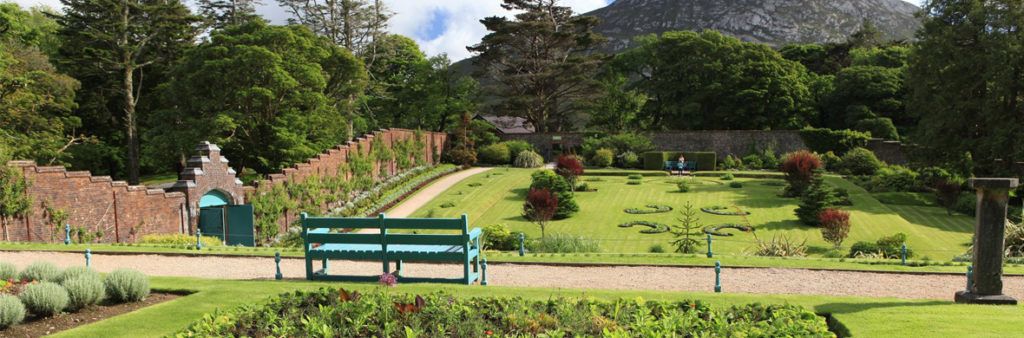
745	280
421	197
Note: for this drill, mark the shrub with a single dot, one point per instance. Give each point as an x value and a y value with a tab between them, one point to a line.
180	239
831	161
814	200
769	160
516	147
657	248
569	167
447	205
885	247
126	285
683	186
895	178
727	177
497	237
779	246
880	127
540	207
628	159
40	271
735	185
835	226
547	179
860	161
753	161
800	168
528	159
497	153
635	176
634	182
654	160
76	271
83	291
731	163
823	140
947	194
44	299
932	176
602	158
8	271
564	243
966	203
12	311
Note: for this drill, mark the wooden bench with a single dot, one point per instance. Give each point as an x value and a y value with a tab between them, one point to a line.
688	166
385	246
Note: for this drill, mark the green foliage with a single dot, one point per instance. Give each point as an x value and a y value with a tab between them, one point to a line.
893	178
269	206
860	161
327	312
753	161
881	127
462	151
823	140
885	247
619	108
497	153
12	311
814	200
126	285
564	243
619	144
866	92
497	237
735	184
634	182
83	291
516	147
75	272
654	160
727	177
831	161
728	84
8	271
779	246
185	239
602	158
686	233
683	186
656	248
548	179
628	159
44	299
40	271
635	176
15	200
528	159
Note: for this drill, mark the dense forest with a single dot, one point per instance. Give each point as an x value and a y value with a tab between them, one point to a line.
128	88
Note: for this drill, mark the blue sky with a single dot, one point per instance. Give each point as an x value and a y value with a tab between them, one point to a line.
439	26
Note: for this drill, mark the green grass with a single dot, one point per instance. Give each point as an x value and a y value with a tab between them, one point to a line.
860	316
906	198
499	201
158	178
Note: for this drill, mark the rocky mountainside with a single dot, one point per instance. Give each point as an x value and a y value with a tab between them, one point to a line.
772	22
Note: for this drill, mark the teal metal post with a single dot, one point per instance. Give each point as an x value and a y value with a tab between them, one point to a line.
718	276
522	249
970	271
903	253
709	246
67	233
277	261
483	271
88	257
199	242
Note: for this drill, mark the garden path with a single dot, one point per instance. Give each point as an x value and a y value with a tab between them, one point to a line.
421	198
700	279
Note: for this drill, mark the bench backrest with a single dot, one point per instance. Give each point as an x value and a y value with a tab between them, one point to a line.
384	224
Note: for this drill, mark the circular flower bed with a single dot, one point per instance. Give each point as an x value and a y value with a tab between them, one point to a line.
658	208
717	210
655	228
716	229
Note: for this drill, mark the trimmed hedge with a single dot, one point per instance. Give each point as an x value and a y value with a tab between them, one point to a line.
823	140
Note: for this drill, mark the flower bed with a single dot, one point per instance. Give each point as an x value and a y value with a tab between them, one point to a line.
328	312
717	210
716	229
657	208
655	228
384	195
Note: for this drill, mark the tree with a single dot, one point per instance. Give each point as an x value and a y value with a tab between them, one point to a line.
540	62
800	168
218	14
835	226
540	207
946	194
619	108
687	230
570	168
14	198
965	83
548	179
462	151
123	38
814	200
268	207
862	92
271	96
352	24
698	81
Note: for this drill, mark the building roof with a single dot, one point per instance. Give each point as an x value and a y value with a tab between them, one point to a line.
508	124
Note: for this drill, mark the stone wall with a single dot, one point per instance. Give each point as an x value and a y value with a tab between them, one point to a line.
120	211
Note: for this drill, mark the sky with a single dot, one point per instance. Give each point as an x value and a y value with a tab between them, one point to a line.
439	26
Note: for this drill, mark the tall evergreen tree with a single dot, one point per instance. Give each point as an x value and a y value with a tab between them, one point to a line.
540	62
218	14
353	24
966	76
119	39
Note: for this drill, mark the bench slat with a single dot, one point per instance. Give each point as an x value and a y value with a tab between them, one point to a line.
329	222
424	223
425	239
344	238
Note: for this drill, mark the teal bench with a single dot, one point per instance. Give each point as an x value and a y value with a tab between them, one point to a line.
385	246
688	166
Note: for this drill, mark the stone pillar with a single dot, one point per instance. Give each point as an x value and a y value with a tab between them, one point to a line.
989	232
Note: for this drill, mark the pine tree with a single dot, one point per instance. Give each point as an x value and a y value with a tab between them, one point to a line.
814	200
218	14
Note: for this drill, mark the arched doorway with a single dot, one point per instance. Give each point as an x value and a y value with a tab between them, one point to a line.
233	224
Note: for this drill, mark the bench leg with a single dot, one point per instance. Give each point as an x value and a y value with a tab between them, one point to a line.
324	263
476	268
309	268
387	266
398	268
465	268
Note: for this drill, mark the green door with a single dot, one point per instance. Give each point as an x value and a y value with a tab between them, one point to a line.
240	225
211	221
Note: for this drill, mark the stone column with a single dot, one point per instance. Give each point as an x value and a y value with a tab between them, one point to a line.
989	232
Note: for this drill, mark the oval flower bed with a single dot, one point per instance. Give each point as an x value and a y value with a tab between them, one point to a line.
656	208
330	313
717	210
716	229
655	228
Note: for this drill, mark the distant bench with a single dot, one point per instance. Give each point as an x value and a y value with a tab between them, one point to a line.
688	166
385	246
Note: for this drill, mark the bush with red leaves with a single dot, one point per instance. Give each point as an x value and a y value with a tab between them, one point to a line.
800	167
540	207
835	225
569	167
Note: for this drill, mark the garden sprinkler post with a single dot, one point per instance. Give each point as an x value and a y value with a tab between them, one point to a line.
709	246
970	271
199	243
522	249
277	261
903	253
67	233
718	276
483	271
88	257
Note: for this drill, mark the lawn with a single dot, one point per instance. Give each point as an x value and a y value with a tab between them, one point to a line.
859	316
496	197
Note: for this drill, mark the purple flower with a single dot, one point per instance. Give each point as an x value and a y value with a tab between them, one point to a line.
388	279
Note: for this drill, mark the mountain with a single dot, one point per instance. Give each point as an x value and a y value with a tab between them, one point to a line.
772	22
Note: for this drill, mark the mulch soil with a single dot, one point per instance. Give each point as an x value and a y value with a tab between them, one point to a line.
38	327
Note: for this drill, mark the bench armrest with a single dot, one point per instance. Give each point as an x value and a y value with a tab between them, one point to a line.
475	233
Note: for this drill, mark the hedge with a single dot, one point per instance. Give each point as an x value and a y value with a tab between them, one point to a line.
823	140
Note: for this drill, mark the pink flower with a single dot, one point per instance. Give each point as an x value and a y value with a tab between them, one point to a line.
388	279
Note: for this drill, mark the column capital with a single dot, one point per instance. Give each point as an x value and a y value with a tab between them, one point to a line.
993	183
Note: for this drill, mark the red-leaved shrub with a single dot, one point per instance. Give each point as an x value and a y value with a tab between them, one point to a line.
570	168
540	207
835	225
800	167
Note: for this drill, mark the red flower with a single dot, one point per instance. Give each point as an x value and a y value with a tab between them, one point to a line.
489	332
